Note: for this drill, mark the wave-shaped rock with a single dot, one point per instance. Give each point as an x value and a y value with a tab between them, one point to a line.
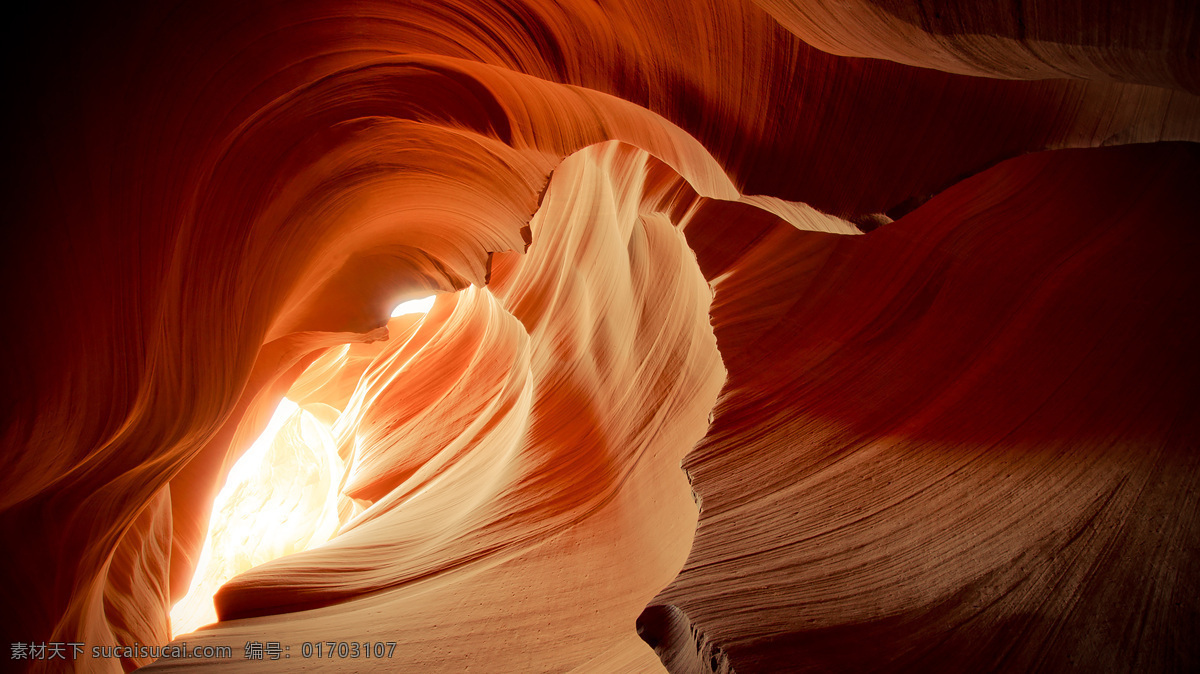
964	439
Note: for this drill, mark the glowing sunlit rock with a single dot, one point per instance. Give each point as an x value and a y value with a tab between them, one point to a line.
418	306
280	498
962	442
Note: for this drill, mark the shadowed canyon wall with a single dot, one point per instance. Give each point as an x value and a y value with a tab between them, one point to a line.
769	336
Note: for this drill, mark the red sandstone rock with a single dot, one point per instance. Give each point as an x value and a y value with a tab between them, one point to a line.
965	440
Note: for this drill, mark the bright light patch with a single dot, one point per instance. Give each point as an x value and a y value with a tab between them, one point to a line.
280	498
420	306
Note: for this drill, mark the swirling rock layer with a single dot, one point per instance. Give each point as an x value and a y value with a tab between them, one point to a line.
966	440
971	434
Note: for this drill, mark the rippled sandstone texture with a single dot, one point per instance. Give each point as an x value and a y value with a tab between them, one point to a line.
966	440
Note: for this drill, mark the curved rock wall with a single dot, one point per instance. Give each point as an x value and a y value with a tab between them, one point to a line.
963	440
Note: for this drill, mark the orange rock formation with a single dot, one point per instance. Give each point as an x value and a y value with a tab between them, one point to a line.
769	335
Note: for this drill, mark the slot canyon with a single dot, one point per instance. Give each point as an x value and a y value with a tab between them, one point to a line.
602	336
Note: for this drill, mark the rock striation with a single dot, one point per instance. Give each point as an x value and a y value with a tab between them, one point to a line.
770	335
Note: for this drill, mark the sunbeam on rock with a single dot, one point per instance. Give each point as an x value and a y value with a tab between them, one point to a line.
530	336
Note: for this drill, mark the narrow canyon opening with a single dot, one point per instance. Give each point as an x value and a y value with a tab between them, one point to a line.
907	289
503	441
281	497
